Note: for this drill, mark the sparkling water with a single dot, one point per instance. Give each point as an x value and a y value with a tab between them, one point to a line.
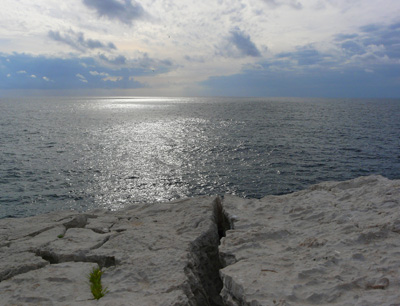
86	153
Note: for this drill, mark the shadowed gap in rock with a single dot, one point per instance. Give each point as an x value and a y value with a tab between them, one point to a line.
203	272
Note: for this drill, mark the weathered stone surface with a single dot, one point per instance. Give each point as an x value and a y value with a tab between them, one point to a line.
153	254
101	224
58	284
335	243
13	229
13	263
73	246
164	252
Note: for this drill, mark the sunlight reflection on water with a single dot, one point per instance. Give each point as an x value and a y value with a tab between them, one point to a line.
148	160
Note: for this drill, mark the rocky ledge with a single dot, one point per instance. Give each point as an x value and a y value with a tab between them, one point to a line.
335	243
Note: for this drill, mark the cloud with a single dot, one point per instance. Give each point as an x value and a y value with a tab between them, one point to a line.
95	73
194	58
305	56
373	45
78	41
124	11
353	47
342	37
370	28
277	3
81	78
118	60
73	72
145	62
113	78
107	77
365	64
319	82
238	44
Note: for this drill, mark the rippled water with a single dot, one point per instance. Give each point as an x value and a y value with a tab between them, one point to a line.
83	153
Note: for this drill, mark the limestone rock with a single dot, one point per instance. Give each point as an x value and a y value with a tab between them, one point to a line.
334	243
58	284
152	254
12	263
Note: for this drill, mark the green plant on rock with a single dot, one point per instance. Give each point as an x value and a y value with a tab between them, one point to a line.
95	283
60	236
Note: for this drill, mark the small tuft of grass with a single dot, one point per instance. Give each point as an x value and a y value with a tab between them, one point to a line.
60	236
95	283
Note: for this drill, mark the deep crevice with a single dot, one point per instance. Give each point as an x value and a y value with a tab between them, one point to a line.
203	271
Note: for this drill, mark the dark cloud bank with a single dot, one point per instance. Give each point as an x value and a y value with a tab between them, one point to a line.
237	44
24	71
78	41
125	11
243	43
367	64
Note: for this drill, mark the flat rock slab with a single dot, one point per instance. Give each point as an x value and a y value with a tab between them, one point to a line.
58	284
153	254
335	243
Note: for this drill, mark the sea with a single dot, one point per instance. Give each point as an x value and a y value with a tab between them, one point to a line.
83	153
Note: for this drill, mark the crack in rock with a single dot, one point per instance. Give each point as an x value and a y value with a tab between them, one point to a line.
54	258
24	263
204	265
72	251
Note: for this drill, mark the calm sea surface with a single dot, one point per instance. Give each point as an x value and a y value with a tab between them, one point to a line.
85	153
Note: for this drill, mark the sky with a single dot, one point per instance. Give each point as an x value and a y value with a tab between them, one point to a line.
286	48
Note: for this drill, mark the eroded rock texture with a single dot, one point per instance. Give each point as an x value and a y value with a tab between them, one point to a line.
157	254
336	243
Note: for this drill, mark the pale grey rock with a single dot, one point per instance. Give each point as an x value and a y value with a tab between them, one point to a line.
58	284
31	244
167	254
17	228
334	243
14	263
153	254
101	224
78	221
73	246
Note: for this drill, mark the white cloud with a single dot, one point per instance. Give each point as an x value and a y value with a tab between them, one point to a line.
33	76
81	78
186	33
113	78
95	73
21	72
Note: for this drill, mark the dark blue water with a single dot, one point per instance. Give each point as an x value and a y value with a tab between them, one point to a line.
84	153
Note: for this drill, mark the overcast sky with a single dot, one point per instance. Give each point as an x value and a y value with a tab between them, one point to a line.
306	48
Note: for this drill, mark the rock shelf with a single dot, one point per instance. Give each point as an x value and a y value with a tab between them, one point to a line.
336	243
